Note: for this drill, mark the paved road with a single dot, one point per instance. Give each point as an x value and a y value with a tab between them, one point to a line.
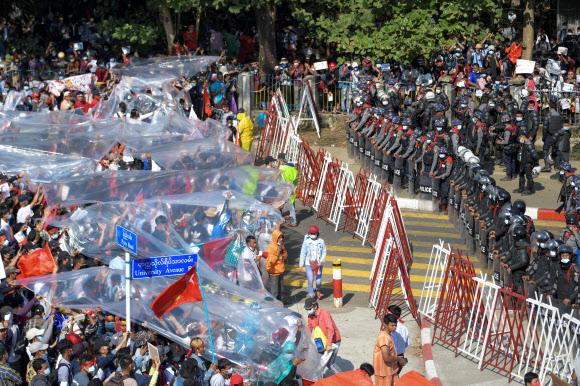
355	321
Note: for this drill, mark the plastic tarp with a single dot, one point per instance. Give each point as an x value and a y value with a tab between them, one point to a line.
245	325
208	153
248	326
263	184
193	219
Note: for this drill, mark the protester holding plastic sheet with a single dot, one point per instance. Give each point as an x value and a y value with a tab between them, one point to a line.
320	322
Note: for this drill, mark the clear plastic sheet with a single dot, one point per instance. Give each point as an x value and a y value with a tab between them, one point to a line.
43	167
171	67
263	184
96	138
248	328
208	153
62	150
193	219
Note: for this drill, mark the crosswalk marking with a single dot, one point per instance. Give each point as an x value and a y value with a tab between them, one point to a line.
349	249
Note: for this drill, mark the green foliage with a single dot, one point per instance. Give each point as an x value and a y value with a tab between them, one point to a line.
142	35
395	29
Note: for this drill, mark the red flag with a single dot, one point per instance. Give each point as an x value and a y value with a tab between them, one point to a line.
38	263
206	101
214	252
184	290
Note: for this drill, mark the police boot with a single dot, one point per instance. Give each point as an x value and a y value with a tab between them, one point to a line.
547	168
507	178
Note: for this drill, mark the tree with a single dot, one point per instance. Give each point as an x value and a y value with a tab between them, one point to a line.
399	29
528	29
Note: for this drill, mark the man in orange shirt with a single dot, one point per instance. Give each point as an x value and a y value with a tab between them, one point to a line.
319	317
385	359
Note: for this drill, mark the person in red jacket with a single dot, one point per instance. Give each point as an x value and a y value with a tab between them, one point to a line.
81	103
319	317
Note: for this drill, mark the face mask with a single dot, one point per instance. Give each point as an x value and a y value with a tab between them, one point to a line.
438	91
491	52
110	325
40	338
405	127
519	119
112	60
92	370
313	237
566	128
26	88
71	60
47	372
473	120
521	141
61	77
41	60
439	129
231	371
441	156
385	103
457	54
229	125
279	243
542	245
458	127
561	173
507	221
565	261
289	357
428	141
106	49
45	356
6	243
311	311
463	105
349	65
553	253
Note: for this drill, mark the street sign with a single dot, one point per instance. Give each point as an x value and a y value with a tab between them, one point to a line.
127	239
162	266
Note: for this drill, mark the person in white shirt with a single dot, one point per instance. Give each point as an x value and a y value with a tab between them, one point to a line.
25	212
401	334
122	113
248	262
224	372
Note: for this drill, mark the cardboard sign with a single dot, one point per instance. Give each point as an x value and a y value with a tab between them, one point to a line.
563	51
567	87
320	66
153	352
78	46
385	67
525	66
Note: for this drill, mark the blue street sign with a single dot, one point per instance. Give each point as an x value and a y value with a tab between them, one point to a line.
126	239
162	266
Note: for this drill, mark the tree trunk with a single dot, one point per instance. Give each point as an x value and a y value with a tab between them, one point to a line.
266	23
167	22
197	15
528	29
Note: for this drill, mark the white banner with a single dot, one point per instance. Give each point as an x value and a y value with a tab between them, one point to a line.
525	66
79	83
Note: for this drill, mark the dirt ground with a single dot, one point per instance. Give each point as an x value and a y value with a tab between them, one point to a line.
330	136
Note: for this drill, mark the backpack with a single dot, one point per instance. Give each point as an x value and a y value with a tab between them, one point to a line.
53	380
117	379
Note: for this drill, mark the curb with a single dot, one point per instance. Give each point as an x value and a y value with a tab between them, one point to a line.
427	205
430	369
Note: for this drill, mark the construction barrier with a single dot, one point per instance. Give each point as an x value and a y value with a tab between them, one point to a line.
495	327
360	205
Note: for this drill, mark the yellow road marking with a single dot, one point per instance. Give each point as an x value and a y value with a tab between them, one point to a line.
428	224
425	215
349	249
433	234
303	283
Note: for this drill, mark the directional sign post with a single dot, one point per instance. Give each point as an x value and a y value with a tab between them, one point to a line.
127	240
162	266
